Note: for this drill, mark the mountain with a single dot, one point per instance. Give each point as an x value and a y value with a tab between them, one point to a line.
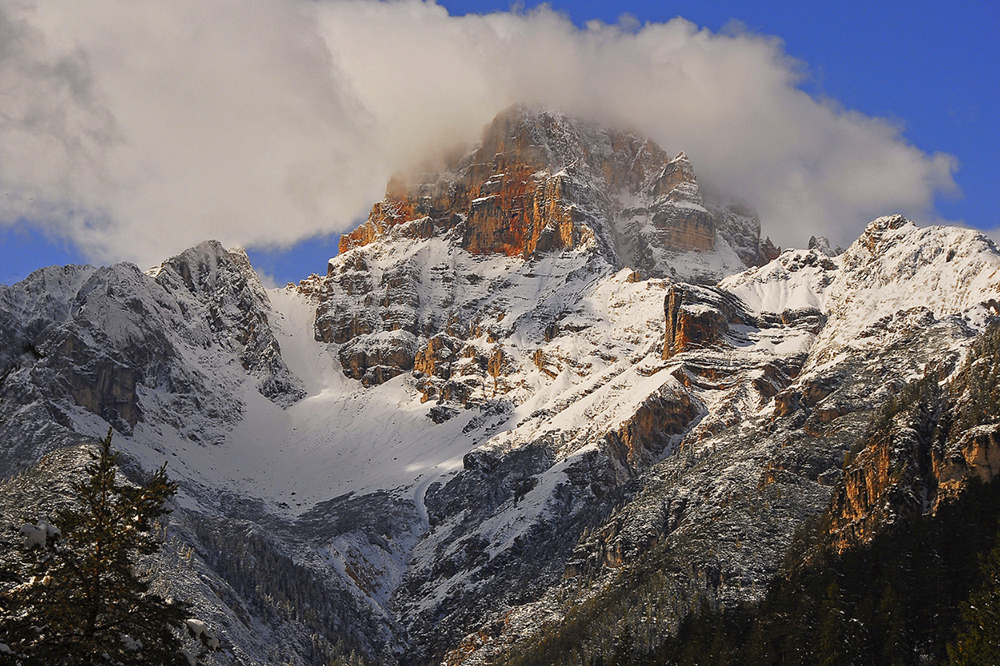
554	378
544	199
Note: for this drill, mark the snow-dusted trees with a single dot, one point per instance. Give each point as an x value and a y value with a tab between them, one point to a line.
78	599
979	640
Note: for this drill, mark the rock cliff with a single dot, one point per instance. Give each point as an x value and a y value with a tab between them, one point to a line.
798	365
930	441
115	343
518	395
538	183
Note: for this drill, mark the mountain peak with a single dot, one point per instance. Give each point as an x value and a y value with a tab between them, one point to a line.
533	431
202	267
540	181
886	222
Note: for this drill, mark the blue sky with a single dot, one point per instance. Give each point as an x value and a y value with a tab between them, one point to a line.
930	68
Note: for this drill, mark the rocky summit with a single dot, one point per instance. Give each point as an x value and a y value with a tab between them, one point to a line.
540	181
543	189
553	383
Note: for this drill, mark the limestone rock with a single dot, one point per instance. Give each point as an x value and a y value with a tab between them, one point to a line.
644	437
697	318
975	456
540	181
377	359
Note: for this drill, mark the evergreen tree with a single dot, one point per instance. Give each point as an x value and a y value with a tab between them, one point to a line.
834	644
890	627
79	600
979	640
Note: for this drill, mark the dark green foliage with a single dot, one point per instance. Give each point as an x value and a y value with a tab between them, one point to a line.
921	399
280	589
610	629
79	599
979	640
924	391
898	600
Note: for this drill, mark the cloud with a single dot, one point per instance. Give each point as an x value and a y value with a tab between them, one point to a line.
140	127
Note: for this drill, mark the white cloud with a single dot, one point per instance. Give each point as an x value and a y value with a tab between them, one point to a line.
140	127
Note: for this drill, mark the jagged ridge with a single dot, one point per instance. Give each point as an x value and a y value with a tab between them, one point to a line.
483	436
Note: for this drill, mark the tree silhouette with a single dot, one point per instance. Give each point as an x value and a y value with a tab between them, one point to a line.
80	600
979	640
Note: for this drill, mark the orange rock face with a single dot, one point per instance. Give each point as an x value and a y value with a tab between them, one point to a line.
386	214
690	328
869	498
693	231
436	357
505	196
510	195
977	456
641	439
526	214
902	474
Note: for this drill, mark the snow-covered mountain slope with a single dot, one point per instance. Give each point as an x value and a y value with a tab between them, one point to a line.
549	372
186	364
309	467
893	268
488	400
788	363
168	351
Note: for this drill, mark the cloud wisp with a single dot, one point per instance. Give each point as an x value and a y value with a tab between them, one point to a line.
139	127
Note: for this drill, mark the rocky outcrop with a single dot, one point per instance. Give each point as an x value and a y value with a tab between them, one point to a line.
377	322
928	443
875	235
976	455
377	359
768	251
507	197
693	327
644	437
127	346
102	385
538	182
347	282
237	306
881	484
436	357
675	228
525	215
698	318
